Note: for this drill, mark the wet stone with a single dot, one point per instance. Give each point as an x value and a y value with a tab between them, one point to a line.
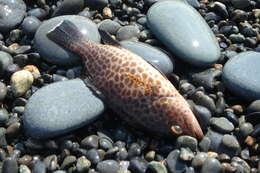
4	116
108	166
205	144
12	13
206	78
215	138
3	91
48	113
138	165
203	115
90	142
222	125
211	165
187	141
157	167
254	107
30	25
93	156
83	164
245	129
24	169
152	55
204	100
127	32
69	7
5	60
243	84
186	154
56	54
199	159
184	32
231	144
10	166
174	163
68	161
109	26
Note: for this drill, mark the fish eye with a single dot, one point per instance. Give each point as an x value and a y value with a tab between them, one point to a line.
176	129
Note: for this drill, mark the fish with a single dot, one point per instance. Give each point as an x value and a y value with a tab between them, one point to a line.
138	92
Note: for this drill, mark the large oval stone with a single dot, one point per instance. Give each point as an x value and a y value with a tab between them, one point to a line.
151	54
59	108
55	54
181	28
241	75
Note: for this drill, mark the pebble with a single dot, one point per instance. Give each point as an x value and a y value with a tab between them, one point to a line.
138	166
68	161
93	156
202	99
90	142
39	167
108	166
186	154
24	169
5	60
221	125
184	32
109	26
199	159
127	33
4	116
174	163
254	107
245	129
3	142
38	12
83	164
243	84
240	164
55	54
21	81
211	165
205	144
152	55
96	4
12	13
10	166
68	7
3	91
215	138
48	113
206	78
232	145
30	25
203	115
241	4
157	167
187	141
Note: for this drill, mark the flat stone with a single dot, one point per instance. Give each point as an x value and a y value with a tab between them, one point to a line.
239	75
181	28
5	60
222	125
60	108
56	54
12	13
211	165
152	55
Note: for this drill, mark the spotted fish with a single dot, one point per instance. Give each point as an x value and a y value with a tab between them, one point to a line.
136	90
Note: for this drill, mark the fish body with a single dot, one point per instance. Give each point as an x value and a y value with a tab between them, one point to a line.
138	92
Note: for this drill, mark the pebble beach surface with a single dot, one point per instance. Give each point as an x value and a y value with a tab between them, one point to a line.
50	121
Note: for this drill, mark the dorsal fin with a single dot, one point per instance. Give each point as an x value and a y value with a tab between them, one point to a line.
107	39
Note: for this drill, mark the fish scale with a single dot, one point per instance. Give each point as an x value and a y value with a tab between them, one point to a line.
136	90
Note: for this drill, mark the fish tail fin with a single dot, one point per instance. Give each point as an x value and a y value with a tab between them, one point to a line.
67	35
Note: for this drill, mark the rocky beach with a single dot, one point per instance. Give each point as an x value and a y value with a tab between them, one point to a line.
52	122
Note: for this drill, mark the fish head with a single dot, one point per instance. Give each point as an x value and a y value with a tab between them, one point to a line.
184	122
179	117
